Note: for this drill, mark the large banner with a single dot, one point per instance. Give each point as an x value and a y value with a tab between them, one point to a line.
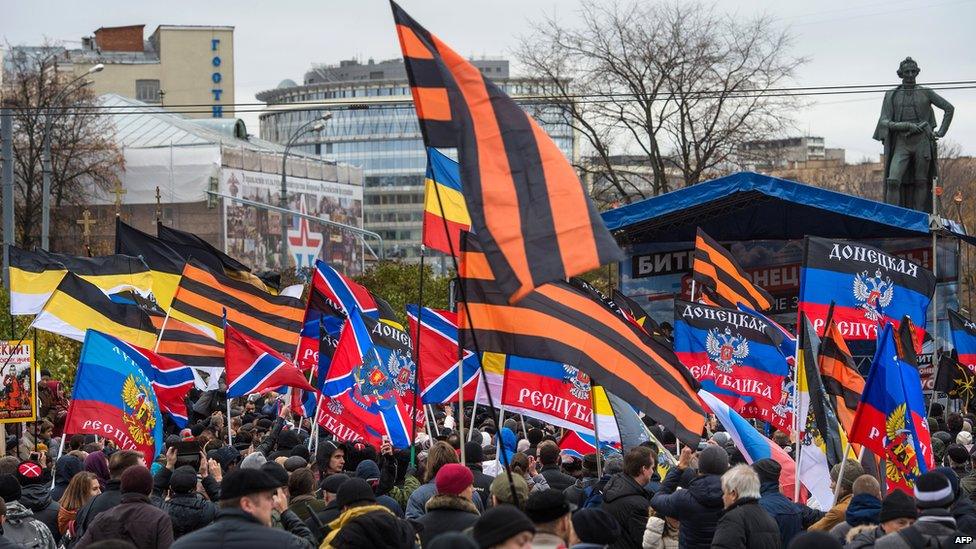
253	235
19	392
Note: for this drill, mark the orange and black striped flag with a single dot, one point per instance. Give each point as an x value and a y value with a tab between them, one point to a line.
722	280
563	323
840	375
532	215
203	297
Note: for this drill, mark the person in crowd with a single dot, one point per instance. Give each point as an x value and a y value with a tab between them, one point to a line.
506	443
501	490
451	509
4	542
744	524
188	510
440	454
20	526
527	467
35	434
593	529
576	494
97	463
369	471
301	487
935	526
134	519
35	494
836	514
550	514
814	539
898	511
65	469
248	497
503	527
957	458
962	508
661	532
548	453
698	507
864	507
284	518
318	523
365	523
474	454
625	498
82	488
789	516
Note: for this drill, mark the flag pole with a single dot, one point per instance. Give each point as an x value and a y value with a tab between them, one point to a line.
416	356
840	473
230	438
798	443
596	433
162	329
461	407
474	408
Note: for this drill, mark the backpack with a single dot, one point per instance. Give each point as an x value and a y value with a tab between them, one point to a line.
592	497
916	540
27	533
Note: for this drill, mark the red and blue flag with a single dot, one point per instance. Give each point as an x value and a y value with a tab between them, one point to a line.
963	339
439	356
170	379
891	419
868	286
114	398
252	367
578	445
554	392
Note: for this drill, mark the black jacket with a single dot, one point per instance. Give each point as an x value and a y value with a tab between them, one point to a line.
446	514
375	530
109	498
482	484
574	494
627	502
746	525
134	520
787	514
962	510
37	498
698	508
557	479
320	529
189	512
239	530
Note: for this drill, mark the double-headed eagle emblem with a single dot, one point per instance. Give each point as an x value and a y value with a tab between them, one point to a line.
138	413
902	462
379	380
873	293
726	349
580	381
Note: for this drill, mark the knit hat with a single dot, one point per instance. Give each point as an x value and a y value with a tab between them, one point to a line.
722	438
9	488
590	462
501	489
453	478
713	460
595	526
812	539
964	438
288	440
253	460
957	453
226	456
302	452
500	523
546	506
767	469
451	540
932	490
136	479
945	437
276	472
264	424
368	470
354	490
898	504
332	483
196	429
852	470
951	476
244	482
31	472
473	452
295	463
183	480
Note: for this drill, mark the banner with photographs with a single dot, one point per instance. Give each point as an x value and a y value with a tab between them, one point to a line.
19	391
253	235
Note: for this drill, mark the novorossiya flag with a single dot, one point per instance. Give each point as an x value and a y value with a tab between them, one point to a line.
868	286
733	349
963	333
527	205
722	279
444	204
253	367
113	398
438	359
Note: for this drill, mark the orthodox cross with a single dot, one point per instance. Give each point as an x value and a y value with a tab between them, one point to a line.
86	222
118	191
158	212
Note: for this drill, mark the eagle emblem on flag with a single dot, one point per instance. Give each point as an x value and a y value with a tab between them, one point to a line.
401	370
902	461
726	349
579	380
138	413
335	406
873	292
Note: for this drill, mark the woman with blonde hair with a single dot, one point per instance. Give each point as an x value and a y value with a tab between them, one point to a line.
81	489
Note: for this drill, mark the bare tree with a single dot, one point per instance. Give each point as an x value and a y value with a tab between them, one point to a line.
84	157
678	82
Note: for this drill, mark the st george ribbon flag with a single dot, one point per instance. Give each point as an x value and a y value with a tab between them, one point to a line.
253	367
445	213
722	280
113	398
438	359
868	287
527	205
891	418
963	333
731	349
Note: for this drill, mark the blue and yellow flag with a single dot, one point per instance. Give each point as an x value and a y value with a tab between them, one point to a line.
445	213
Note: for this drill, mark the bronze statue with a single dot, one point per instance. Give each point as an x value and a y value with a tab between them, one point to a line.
908	131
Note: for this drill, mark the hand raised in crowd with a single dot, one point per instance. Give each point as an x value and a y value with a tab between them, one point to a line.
203	470
171	458
684	460
280	500
386	448
215	470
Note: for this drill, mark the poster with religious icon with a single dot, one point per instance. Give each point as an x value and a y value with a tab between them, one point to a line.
18	392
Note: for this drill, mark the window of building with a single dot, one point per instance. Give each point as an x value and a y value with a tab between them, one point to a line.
147	90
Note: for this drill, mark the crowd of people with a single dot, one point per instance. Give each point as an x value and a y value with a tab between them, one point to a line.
273	487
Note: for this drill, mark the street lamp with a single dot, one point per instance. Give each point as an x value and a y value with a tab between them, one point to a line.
46	156
313	125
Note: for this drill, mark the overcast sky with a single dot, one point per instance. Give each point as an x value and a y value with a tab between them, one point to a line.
847	42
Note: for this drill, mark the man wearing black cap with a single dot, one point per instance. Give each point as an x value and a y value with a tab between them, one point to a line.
474	455
550	513
576	493
935	526
364	523
248	497
503	526
188	510
898	511
319	523
593	529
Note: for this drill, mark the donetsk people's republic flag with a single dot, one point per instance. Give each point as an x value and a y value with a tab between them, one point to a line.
964	339
868	286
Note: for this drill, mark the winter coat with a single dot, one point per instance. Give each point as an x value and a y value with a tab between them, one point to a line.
746	525
575	494
863	509
834	516
189	513
509	444
557	479
698	507
110	497
627	501
65	468
37	498
418	500
319	524
370	527
300	506
932	524
962	510
447	513
237	529
482	484
26	531
784	512
656	535
134	520
863	537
